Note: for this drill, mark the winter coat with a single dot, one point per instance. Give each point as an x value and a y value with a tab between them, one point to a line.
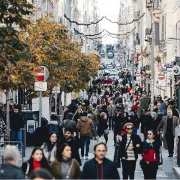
90	170
163	124
74	172
9	171
111	110
16	121
75	145
147	123
118	122
50	156
102	126
121	145
69	123
85	126
31	167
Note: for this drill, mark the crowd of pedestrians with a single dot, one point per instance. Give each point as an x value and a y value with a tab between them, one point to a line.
113	109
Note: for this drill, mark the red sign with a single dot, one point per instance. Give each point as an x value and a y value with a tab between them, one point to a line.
41	73
161	76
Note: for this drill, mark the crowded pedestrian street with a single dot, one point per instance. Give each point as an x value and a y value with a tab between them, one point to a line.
90	89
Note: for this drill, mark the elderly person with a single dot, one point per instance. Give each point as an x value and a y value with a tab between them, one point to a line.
9	169
168	125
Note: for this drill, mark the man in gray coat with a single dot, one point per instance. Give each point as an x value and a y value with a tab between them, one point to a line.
168	125
111	112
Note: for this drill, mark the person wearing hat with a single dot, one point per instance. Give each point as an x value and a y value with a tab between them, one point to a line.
128	146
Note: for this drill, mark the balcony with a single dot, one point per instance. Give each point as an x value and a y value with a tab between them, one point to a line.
162	47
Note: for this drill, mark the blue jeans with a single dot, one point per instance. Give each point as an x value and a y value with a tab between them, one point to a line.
16	135
85	140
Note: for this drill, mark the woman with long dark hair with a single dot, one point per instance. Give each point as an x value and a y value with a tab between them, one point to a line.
49	148
36	161
64	167
151	156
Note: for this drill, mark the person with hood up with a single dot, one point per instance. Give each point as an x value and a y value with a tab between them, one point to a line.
86	129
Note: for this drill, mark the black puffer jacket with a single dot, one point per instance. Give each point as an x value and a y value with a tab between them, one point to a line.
9	171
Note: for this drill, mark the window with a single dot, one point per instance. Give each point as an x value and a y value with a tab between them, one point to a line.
156	27
163	28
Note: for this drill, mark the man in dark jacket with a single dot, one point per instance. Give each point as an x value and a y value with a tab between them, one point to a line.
9	169
117	124
127	149
16	126
100	167
73	143
147	123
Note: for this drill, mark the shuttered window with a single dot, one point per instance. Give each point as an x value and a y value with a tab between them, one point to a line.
162	30
156	28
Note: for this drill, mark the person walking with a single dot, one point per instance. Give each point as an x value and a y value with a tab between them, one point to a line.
128	146
36	161
77	115
16	126
9	169
111	111
49	148
135	120
72	142
151	156
100	167
64	167
69	122
117	124
86	129
160	111
103	126
168	125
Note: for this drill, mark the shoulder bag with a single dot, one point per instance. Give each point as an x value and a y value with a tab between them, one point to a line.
27	170
68	174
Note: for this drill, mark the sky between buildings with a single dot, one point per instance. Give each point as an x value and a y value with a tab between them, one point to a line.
110	9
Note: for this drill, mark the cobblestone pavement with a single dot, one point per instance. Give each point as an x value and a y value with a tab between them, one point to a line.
166	173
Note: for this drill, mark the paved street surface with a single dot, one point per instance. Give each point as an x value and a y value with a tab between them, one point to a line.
168	163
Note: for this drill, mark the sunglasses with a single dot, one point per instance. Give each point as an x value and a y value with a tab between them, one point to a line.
129	128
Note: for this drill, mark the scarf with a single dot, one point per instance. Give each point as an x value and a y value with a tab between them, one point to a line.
36	164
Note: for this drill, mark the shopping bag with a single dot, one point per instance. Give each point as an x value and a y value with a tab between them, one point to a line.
102	139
